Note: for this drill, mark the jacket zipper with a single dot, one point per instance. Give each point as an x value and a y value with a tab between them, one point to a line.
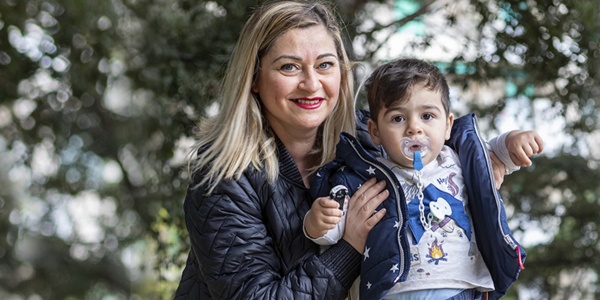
383	170
507	238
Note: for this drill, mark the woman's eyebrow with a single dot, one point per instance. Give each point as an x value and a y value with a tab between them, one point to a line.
297	58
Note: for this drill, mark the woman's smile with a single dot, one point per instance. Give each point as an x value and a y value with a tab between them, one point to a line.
309	103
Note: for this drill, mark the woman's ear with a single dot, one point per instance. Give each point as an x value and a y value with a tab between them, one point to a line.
374	132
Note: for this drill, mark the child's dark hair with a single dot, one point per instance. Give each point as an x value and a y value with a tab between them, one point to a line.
394	81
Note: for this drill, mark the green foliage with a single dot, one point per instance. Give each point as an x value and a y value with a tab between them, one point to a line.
99	99
560	197
549	45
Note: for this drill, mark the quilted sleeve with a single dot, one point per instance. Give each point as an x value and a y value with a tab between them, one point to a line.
237	258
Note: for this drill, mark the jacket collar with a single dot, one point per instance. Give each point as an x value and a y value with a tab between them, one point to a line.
287	166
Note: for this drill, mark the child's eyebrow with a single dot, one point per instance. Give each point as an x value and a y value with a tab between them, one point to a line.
434	107
392	109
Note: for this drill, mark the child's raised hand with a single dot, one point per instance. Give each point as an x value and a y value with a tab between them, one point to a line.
324	215
522	145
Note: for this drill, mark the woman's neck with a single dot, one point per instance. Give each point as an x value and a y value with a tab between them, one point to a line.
299	148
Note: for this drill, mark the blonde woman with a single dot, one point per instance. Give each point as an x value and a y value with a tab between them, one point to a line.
286	97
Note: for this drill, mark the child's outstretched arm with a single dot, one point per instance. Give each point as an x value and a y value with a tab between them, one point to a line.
522	145
512	150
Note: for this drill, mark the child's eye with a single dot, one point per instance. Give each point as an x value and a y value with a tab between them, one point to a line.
428	116
397	119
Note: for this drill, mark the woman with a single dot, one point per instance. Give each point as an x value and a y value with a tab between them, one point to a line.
287	95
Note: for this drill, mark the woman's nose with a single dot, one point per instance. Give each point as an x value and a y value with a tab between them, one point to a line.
310	82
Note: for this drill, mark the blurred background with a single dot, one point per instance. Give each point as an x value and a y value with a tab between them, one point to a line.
99	100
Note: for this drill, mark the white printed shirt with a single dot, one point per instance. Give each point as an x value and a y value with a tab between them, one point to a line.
444	252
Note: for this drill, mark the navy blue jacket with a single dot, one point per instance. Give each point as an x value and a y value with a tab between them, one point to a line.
354	165
247	241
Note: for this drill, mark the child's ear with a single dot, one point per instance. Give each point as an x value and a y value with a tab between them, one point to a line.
374	132
449	123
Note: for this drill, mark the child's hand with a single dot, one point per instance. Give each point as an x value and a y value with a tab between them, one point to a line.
522	145
324	215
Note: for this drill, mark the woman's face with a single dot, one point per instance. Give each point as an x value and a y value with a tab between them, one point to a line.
299	81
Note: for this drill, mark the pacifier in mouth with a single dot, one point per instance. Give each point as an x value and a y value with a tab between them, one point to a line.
410	145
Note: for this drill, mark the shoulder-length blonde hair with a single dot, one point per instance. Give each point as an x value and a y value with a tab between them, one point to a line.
238	136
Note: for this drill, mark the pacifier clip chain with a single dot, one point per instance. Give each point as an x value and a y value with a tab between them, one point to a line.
418	166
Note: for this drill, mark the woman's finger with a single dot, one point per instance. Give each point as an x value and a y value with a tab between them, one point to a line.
361	216
361	196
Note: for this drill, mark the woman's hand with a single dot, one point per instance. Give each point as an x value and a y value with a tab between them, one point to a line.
499	170
361	216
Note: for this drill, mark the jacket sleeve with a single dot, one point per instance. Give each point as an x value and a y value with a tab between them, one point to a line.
237	258
501	252
498	146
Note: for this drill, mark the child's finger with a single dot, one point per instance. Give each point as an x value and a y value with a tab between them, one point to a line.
521	158
327	202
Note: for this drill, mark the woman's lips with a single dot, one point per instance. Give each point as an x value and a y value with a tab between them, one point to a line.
309	103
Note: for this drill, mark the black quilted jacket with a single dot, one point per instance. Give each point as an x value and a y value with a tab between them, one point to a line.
247	241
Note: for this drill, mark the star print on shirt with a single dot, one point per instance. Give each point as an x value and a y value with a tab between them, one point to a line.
394	268
368	285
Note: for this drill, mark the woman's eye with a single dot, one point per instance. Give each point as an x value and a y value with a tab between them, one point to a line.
289	67
326	65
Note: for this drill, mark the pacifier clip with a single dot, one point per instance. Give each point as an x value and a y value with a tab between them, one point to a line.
418	166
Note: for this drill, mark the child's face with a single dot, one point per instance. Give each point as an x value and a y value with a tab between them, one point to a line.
419	124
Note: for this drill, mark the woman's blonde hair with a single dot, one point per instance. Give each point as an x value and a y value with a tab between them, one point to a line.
238	136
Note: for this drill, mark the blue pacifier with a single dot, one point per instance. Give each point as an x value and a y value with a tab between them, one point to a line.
410	147
417	161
